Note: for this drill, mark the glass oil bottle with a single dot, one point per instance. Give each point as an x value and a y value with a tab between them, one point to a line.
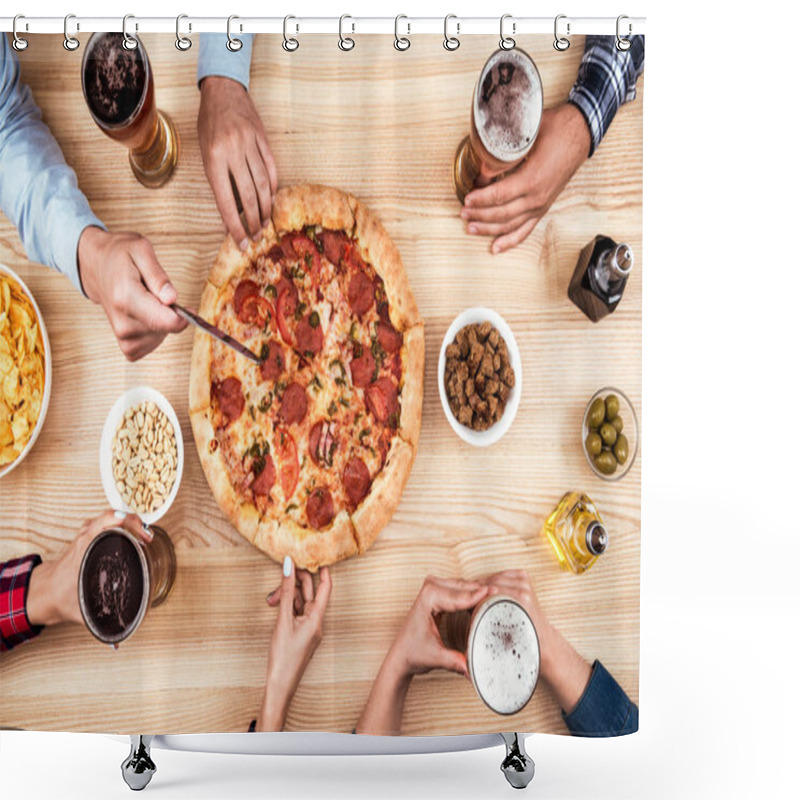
576	532
600	276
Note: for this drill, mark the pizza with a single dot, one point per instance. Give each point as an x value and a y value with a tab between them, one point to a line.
308	453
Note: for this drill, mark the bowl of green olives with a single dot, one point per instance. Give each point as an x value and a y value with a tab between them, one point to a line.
610	434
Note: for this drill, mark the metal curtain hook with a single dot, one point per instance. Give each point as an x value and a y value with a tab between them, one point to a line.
233	44
623	44
451	42
183	43
506	42
19	44
401	42
345	42
129	42
560	43
70	42
290	44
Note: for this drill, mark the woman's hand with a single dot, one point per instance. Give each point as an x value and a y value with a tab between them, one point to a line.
298	631
53	587
418	648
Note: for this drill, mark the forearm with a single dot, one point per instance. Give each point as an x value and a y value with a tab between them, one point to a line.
16	625
383	713
564	670
39	192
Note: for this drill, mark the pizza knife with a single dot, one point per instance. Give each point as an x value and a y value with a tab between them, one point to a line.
212	330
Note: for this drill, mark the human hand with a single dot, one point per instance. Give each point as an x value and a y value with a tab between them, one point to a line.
120	271
53	588
562	667
233	145
418	647
510	208
297	634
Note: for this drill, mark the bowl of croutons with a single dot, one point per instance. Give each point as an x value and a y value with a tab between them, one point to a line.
480	376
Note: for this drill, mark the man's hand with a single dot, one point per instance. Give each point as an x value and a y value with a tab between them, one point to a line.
510	208
120	271
53	587
297	634
234	145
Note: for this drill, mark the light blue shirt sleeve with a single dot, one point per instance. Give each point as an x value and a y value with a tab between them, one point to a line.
38	192
214	58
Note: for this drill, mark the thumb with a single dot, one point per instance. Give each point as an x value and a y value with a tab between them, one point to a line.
153	275
287	589
452	660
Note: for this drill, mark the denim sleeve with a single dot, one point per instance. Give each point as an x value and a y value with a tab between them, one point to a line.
214	58
604	709
38	191
606	79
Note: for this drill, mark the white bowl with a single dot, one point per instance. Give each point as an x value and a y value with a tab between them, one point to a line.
479	314
133	397
48	374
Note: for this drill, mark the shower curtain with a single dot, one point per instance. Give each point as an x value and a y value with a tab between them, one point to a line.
521	355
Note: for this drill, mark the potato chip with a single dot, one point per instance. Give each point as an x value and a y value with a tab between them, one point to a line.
22	369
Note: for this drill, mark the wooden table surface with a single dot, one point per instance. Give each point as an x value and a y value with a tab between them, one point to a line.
383	125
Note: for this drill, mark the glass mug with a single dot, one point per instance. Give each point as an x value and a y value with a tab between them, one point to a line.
501	646
119	91
120	579
506	114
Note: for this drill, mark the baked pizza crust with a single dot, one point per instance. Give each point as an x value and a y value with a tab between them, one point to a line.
381	252
308	548
377	509
232	261
413	385
295	207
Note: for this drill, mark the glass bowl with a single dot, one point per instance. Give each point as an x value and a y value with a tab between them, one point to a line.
630	429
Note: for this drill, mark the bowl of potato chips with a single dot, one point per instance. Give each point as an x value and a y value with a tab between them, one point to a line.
25	370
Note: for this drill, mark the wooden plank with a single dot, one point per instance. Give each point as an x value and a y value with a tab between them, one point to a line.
383	125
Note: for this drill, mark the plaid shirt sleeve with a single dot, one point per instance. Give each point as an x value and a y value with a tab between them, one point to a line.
15	628
606	79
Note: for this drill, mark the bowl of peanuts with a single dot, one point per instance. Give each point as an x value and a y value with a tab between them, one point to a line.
141	454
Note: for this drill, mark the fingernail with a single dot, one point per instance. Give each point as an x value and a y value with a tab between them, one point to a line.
287	566
243	245
119	514
468	200
472	229
271	595
257	236
167	294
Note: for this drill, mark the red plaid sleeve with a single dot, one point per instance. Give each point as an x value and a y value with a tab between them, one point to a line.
15	628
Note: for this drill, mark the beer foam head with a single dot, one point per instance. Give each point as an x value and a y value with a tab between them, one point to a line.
504	655
508	104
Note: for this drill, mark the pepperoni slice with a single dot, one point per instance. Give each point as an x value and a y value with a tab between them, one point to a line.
356	480
288	248
396	367
382	399
322	443
244	290
274	362
362	368
309	336
390	339
256	310
306	251
360	293
230	398
319	508
275	254
294	404
286	306
333	246
286	452
265	479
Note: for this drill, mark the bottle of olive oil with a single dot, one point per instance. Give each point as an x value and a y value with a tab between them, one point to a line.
576	532
600	277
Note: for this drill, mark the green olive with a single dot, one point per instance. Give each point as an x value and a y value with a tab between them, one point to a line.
608	433
617	423
606	463
594	444
597	413
621	449
612	406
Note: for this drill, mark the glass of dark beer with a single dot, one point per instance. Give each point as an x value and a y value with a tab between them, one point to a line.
506	113
118	88
120	580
